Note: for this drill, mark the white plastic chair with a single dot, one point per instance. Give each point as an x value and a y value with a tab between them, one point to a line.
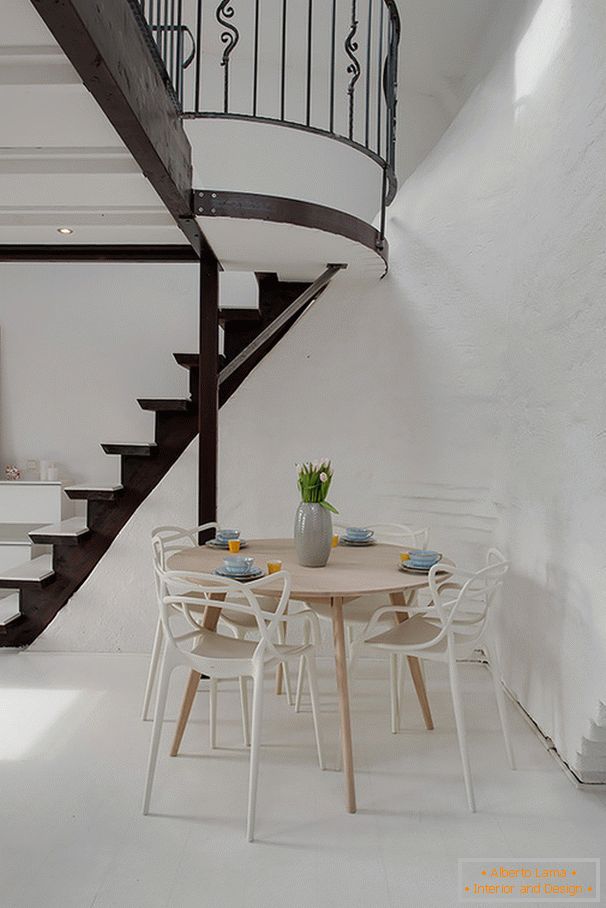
170	539
451	629
219	656
357	614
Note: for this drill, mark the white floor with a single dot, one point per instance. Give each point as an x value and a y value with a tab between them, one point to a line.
72	756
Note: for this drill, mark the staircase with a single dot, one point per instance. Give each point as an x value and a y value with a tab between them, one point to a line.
35	591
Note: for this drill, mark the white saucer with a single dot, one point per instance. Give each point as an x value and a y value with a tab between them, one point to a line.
250	575
356	542
418	570
213	544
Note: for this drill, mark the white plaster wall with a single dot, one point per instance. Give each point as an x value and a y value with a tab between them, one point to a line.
466	390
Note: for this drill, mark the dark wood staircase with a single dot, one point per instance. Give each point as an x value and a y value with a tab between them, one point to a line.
45	584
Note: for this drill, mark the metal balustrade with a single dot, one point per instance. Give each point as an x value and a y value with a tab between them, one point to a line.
325	66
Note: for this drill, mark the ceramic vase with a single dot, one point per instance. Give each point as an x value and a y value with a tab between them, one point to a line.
313	534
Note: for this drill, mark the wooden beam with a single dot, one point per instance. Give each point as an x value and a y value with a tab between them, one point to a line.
208	389
106	44
60	252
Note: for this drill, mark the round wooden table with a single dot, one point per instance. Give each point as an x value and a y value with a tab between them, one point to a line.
352	571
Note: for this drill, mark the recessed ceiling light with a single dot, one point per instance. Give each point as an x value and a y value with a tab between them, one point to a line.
66	231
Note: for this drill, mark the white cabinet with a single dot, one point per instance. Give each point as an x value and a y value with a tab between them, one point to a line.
24	506
23	502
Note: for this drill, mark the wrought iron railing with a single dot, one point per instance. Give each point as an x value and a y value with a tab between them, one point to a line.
326	66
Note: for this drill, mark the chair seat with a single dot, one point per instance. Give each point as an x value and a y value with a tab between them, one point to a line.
411	633
420	630
217	646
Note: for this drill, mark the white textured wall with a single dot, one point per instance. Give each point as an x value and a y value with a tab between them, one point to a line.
465	390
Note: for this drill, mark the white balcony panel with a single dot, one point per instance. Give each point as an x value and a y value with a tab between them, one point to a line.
271	159
295	253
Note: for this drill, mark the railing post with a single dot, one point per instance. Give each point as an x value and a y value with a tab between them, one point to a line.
208	392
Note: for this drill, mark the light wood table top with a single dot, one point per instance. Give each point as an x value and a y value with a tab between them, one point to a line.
351	570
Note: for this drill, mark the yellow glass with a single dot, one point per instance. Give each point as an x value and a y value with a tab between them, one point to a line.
233	545
404	556
273	567
335	540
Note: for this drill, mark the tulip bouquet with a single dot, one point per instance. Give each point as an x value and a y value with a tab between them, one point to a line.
314	480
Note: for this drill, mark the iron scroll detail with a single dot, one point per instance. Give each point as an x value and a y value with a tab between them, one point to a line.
354	69
229	38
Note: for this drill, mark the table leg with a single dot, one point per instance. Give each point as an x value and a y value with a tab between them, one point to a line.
342	685
414	667
188	700
210	621
279	678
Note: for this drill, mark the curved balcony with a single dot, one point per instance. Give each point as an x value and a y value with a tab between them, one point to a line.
262	86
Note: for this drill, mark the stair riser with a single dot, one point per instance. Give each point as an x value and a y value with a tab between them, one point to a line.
94	495
193	384
166	425
128	450
9	584
164	406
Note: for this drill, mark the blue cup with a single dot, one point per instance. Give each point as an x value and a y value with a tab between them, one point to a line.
358	534
238	564
226	535
420	558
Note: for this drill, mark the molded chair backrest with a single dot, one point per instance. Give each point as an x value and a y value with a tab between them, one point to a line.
169	539
224	593
466	593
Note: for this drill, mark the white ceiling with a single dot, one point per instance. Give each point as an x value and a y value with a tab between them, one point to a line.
447	48
61	161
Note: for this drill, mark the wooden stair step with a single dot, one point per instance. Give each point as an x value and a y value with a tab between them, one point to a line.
129	449
192	360
37	572
9	609
163	404
86	492
68	532
239	315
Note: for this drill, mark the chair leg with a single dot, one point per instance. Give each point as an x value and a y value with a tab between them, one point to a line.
495	671
257	719
153	670
212	712
312	674
163	684
393	686
244	705
285	675
353	654
460	723
401	687
301	674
